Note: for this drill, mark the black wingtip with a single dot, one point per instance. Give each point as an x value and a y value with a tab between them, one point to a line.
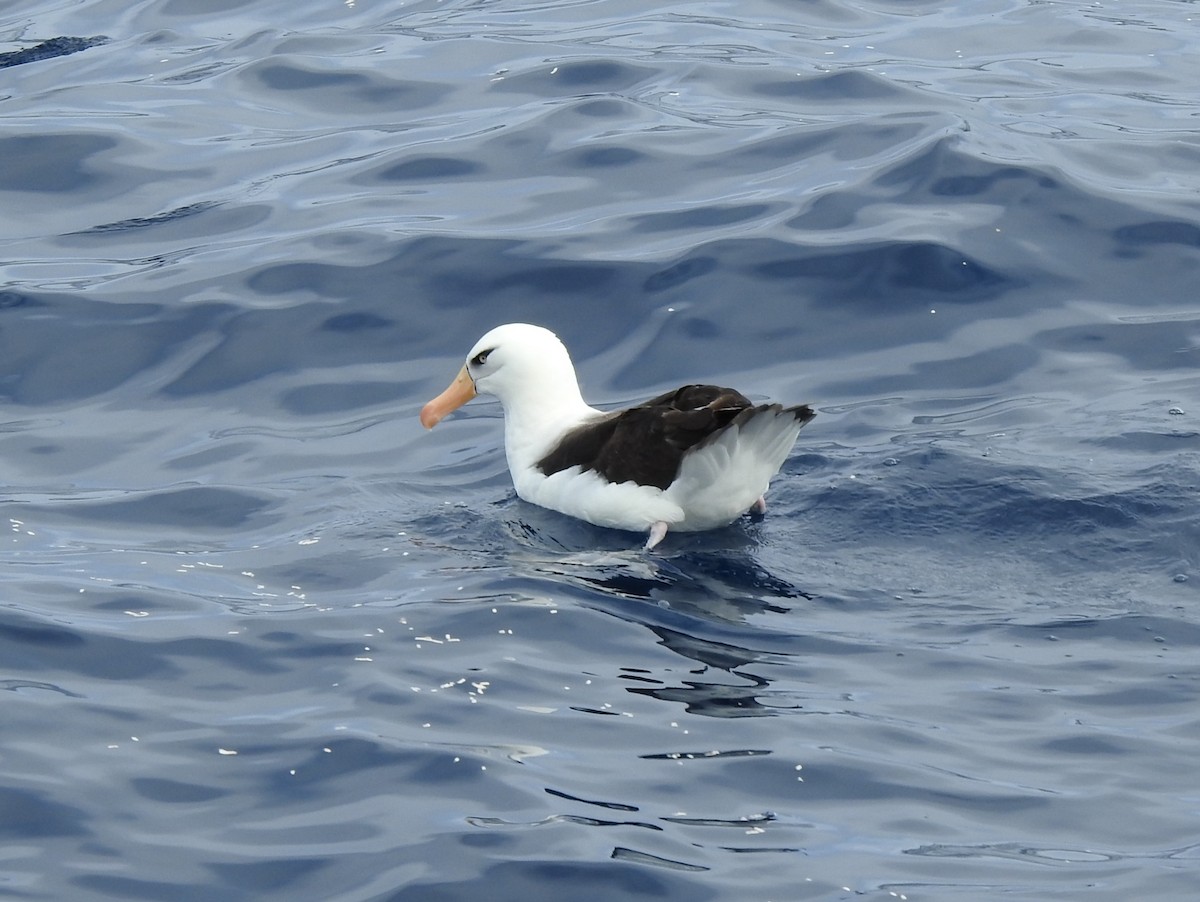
802	412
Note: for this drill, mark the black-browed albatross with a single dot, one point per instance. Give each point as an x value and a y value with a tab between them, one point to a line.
695	458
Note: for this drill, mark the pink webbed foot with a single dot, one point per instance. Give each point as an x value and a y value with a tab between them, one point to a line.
760	506
657	533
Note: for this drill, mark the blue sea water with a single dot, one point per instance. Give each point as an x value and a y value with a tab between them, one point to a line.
262	637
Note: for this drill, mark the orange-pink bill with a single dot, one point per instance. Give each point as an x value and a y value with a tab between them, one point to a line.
460	391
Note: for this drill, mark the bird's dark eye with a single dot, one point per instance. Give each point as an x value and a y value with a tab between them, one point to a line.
481	358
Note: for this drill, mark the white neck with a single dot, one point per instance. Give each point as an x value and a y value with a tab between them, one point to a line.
532	425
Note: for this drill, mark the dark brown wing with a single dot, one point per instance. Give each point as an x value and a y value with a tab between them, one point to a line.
645	444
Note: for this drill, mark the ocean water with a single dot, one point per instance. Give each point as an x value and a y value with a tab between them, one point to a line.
263	637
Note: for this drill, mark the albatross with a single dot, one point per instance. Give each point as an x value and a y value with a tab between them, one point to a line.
692	459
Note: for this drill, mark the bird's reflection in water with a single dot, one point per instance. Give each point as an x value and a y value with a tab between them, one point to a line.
699	602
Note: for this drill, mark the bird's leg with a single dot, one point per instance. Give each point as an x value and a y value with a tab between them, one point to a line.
760	506
657	532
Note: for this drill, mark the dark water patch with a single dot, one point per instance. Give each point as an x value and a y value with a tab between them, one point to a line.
693	267
575	78
843	87
12	299
605	157
195	509
601	108
287	645
426	169
115	886
985	182
944	169
551	881
269	875
933	494
356	322
61	46
828	212
37	635
1088	746
726	575
93	167
892	276
176	792
1145	346
557	279
37	647
701	217
1186	234
322	278
60	347
563	136
328	89
30	814
55	163
79	655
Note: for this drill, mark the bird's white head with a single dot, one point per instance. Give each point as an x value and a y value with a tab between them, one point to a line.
520	364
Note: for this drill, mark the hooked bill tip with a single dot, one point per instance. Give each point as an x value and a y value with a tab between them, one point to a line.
429	418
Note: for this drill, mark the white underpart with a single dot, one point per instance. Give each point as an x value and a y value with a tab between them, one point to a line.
589	496
532	375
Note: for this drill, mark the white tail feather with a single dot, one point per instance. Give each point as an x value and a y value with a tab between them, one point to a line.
723	478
